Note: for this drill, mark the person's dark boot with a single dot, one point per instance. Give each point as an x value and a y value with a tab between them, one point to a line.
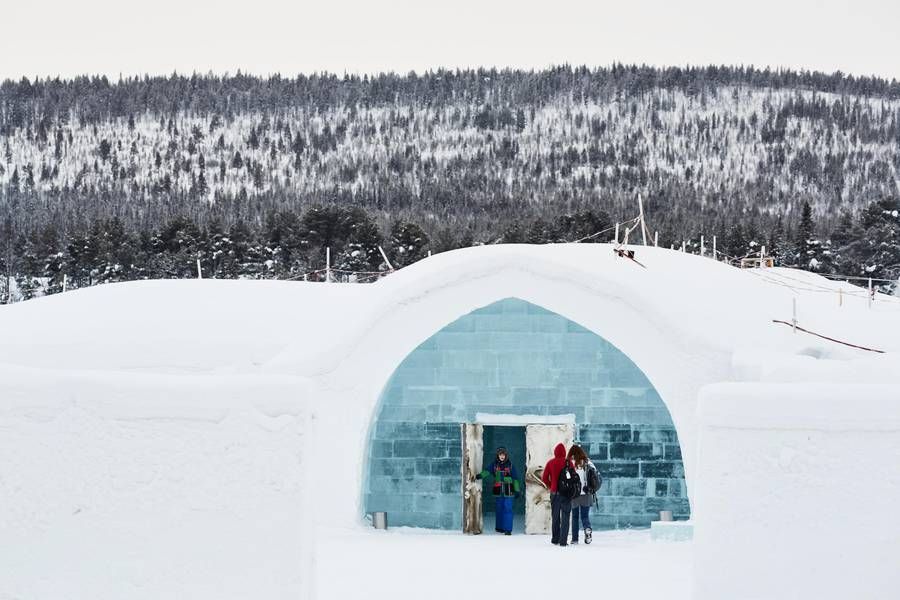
588	535
507	533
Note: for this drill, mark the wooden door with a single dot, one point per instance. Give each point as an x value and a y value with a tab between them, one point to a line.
473	455
540	440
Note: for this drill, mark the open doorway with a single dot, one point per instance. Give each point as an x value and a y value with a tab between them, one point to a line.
512	438
521	438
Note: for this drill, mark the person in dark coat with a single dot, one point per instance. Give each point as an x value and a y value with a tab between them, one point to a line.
560	507
505	488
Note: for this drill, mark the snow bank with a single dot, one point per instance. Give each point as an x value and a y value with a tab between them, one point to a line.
796	491
814	365
152	487
184	326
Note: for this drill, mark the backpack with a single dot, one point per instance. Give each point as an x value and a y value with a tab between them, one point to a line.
594	480
569	483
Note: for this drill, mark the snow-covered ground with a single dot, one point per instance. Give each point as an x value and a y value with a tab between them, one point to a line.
415	564
169	438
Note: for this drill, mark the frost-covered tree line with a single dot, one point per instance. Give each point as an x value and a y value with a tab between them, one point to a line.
254	177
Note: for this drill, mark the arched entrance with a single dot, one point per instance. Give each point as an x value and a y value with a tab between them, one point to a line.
513	358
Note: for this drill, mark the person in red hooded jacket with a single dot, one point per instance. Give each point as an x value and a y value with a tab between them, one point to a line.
560	508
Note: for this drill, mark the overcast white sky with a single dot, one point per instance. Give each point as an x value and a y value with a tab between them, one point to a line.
69	37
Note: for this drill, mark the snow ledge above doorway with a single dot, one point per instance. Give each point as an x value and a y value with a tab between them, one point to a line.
514	420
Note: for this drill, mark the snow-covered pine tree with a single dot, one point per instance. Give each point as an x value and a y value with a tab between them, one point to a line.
363	239
734	242
780	246
813	253
29	287
408	243
881	244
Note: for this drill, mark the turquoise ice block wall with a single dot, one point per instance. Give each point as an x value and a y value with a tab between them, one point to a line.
513	357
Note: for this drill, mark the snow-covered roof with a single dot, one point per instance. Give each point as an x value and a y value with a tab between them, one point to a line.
192	326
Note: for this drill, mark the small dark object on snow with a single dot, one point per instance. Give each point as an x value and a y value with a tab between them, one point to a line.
629	254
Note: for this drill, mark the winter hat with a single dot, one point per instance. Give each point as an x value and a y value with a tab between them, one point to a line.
502	450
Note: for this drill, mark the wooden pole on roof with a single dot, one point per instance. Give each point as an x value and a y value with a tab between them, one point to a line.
641	217
328	264
386	261
794	317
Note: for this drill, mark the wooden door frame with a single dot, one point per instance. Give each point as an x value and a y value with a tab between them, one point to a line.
540	496
472	462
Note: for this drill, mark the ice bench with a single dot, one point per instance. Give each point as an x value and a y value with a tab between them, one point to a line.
672	531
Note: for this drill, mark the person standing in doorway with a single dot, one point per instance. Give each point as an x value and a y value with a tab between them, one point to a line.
506	487
560	506
581	504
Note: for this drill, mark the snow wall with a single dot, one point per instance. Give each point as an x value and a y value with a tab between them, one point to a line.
796	491
137	486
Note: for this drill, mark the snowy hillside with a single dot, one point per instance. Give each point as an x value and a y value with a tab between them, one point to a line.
258	178
451	141
729	137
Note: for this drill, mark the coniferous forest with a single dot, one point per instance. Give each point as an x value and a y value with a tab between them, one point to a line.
105	181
